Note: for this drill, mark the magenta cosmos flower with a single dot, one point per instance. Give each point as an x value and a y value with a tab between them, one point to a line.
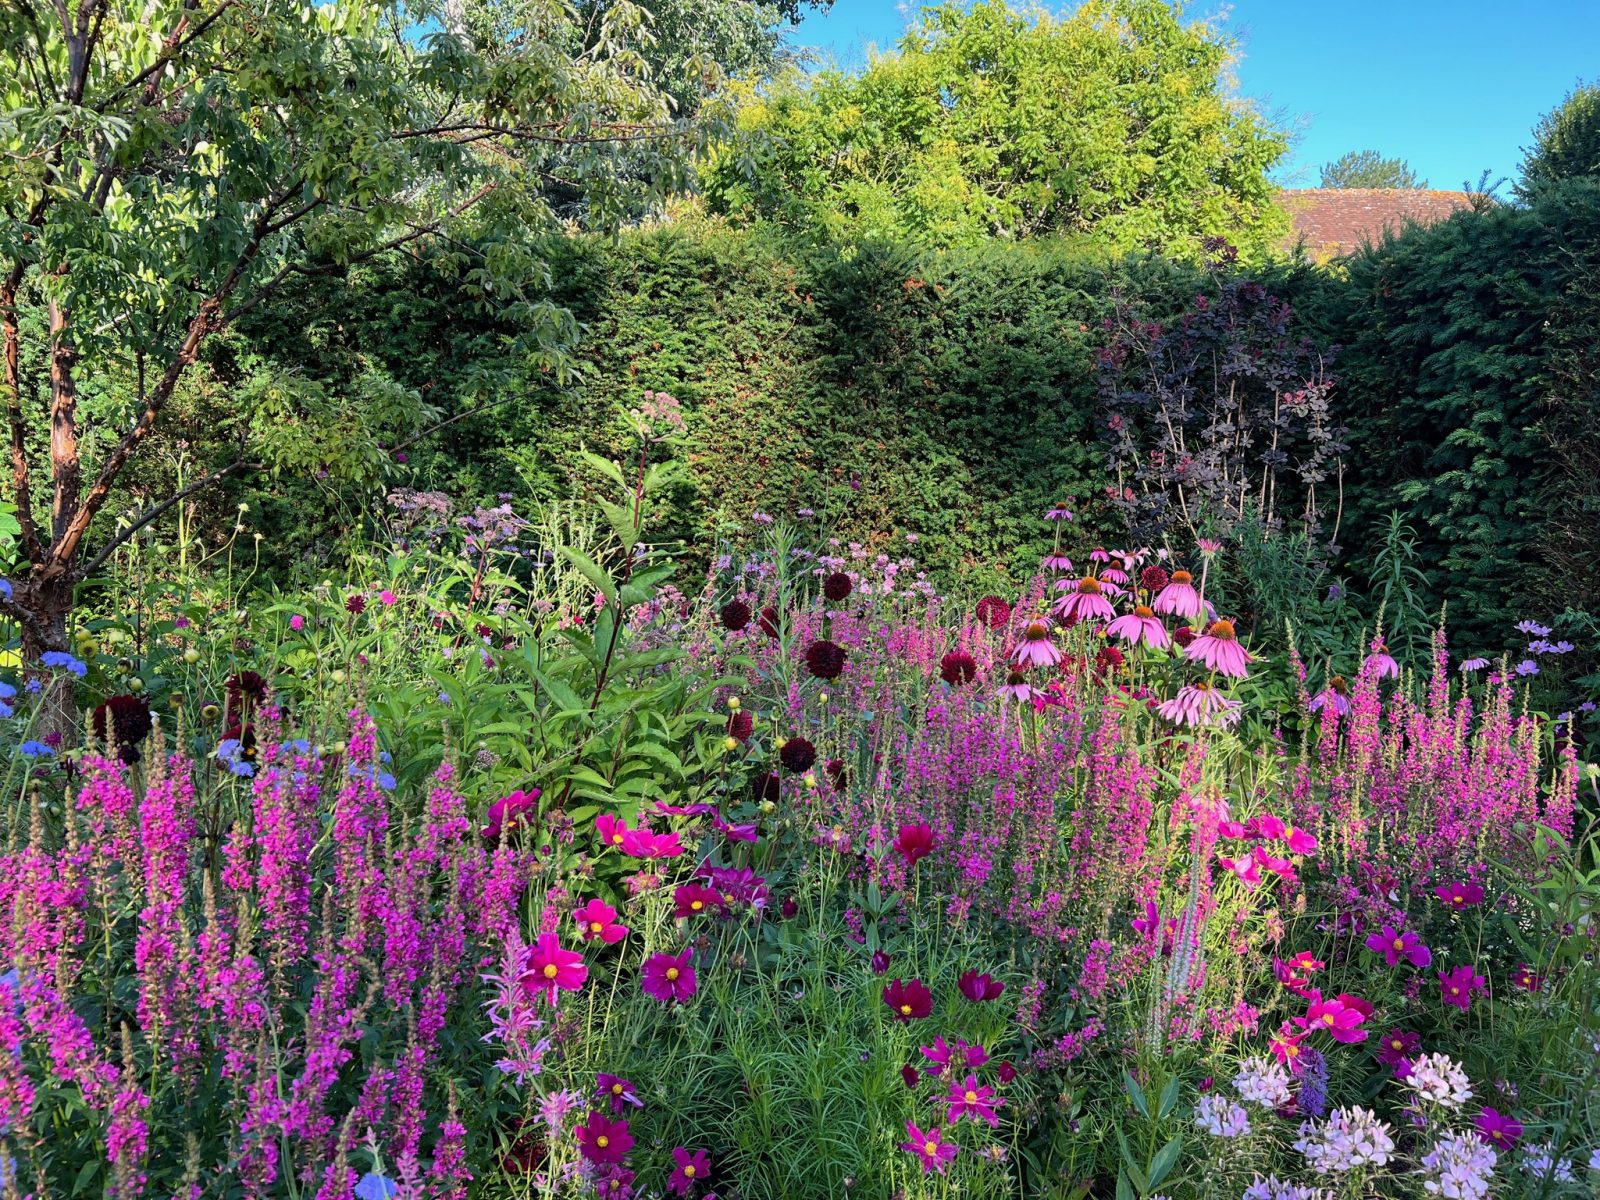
1219	650
1498	1130
1141	625
597	919
1036	649
914	841
693	1166
908	1001
976	987
1398	1046
642	843
1340	1018
669	977
551	968
1459	895
616	1091
1456	986
970	1099
1178	598
695	899
1086	602
613	830
508	812
1395	946
603	1141
930	1149
1200	704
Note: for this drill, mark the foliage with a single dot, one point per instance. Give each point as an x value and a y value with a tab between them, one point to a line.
1369	169
1566	142
995	122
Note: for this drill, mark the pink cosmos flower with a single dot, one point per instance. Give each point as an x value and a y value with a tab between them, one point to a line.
617	1092
1219	650
1395	946
1338	1018
1178	598
1527	978
1278	830
934	1152
969	1099
1036	649
551	968
1397	1046
669	977
603	1141
908	1001
1497	1129
976	987
1285	1047
510	811
1295	973
692	1168
914	841
1141	625
641	843
1086	602
1246	868
597	919
1456	986
695	899
938	1055
1200	704
1459	895
613	830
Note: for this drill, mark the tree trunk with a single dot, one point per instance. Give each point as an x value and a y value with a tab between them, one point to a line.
50	603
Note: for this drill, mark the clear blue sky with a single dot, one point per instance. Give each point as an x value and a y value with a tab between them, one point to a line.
1453	88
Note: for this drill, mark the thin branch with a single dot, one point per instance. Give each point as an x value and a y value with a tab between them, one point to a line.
155	512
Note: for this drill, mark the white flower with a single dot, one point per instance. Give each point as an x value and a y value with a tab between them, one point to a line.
1349	1138
1262	1081
1273	1188
1439	1078
1221	1117
1459	1168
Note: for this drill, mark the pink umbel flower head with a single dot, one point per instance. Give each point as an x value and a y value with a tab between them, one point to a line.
1219	650
1457	985
1200	704
930	1149
1085	602
1178	598
603	1141
1036	649
1141	626
597	919
971	1099
550	968
693	1166
1394	946
669	977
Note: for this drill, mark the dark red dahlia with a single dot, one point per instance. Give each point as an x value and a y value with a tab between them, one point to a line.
837	587
825	659
1154	578
740	724
958	667
246	692
1109	659
993	612
836	772
1183	635
768	788
122	722
797	755
735	615
356	603
769	621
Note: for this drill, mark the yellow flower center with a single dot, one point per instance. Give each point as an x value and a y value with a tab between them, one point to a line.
906	1009
972	1097
672	974
616	839
697	905
1397	1044
930	1148
595	927
616	1089
1399	944
602	1141
1458	899
1494	1133
688	1171
1455	991
551	970
1327	1018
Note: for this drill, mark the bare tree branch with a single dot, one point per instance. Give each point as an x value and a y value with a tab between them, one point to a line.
155	512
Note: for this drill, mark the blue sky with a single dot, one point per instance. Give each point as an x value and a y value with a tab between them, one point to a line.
1453	88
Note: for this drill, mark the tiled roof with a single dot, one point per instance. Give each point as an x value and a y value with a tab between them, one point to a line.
1335	221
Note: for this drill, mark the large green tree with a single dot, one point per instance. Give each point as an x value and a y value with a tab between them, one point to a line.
992	121
1369	169
1566	142
165	165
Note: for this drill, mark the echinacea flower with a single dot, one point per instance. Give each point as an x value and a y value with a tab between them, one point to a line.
550	968
1218	649
1177	598
1397	1046
1459	895
1055	562
1086	602
597	919
914	841
508	812
1016	687
1140	626
616	1091
970	1099
603	1141
1200	704
932	1150
1469	665
1380	662
976	987
692	1167
668	977
908	1001
1335	696
1036	649
1457	985
1498	1130
1394	946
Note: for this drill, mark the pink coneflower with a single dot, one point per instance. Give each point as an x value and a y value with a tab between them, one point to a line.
1459	895
1036	649
1141	625
1397	1046
933	1151
1335	696
1469	665
1219	650
1457	985
977	987
1057	562
970	1099
695	899
603	1141
597	919
1058	512
1200	704
1496	1129
914	841
669	977
551	968
508	812
1017	687
1380	662
1394	946
692	1168
1178	598
1208	547
1086	602
908	1001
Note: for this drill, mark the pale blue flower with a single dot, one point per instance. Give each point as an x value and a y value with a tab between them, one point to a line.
60	658
373	1186
35	749
230	753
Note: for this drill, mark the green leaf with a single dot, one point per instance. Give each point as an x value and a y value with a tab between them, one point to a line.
592	571
1166	1158
1136	1094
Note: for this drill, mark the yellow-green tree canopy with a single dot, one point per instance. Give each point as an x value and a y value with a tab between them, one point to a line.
1114	121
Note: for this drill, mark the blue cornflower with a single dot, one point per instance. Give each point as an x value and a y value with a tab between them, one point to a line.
35	749
34	687
374	773
7	692
6	711
373	1186
60	658
230	753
